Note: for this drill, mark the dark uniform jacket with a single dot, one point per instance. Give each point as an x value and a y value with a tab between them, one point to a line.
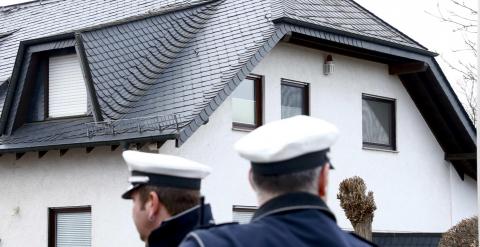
295	219
172	231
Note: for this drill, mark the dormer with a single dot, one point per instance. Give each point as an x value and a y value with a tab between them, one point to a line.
48	84
57	87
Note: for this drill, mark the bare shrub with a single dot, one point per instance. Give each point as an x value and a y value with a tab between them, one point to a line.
359	206
464	234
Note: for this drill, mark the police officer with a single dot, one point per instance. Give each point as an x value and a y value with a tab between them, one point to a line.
165	191
289	173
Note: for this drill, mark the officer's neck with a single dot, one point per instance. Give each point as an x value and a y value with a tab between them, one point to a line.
263	197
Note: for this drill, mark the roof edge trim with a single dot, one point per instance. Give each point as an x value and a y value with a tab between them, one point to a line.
87	75
453	98
11	84
88	144
288	20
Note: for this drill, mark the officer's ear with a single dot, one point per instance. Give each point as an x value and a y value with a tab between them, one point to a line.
156	209
250	179
323	181
152	201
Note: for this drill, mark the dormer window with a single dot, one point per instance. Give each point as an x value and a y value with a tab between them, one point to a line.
67	93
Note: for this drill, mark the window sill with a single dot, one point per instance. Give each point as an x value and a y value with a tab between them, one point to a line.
380	149
242	129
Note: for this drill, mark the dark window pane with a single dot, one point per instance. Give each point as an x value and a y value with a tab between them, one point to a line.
293	100
243	103
377	122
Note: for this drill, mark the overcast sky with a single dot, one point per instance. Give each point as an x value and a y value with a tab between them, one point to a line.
411	17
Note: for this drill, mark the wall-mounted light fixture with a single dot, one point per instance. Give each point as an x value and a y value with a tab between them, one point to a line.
328	66
16	211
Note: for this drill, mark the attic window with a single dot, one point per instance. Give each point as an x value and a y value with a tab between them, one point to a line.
67	93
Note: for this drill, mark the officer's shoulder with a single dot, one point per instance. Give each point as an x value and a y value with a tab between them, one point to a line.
365	241
206	235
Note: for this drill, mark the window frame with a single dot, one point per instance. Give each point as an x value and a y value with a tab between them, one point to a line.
46	81
258	95
52	220
393	128
297	84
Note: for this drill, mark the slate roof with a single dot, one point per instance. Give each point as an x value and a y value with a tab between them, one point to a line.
45	18
178	62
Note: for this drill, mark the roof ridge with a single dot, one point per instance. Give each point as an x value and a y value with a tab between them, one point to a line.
24	5
169	8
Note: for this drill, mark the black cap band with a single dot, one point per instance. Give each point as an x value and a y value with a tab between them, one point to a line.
297	164
168	181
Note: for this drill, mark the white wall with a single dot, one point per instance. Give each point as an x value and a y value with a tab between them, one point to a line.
415	189
76	179
412	186
463	204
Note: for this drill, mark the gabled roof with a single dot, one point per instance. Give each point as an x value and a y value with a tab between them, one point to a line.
161	75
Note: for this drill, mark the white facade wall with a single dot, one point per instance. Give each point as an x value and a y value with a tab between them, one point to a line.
75	179
415	189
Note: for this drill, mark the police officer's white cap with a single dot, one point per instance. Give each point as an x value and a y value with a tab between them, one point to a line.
289	145
163	171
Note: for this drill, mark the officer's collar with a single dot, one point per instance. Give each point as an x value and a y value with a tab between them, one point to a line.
171	231
291	202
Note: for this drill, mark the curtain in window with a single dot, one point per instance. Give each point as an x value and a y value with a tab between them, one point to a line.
376	122
292	101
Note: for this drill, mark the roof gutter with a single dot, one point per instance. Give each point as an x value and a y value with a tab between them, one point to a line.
88	144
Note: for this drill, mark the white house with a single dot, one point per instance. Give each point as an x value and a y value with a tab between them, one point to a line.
84	80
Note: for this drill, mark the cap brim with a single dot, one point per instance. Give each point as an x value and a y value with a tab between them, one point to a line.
128	194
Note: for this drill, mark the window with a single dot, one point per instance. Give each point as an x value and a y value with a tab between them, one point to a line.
67	93
378	122
247	104
294	99
70	227
243	214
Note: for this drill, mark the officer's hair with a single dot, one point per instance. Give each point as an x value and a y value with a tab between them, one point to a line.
175	200
303	181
